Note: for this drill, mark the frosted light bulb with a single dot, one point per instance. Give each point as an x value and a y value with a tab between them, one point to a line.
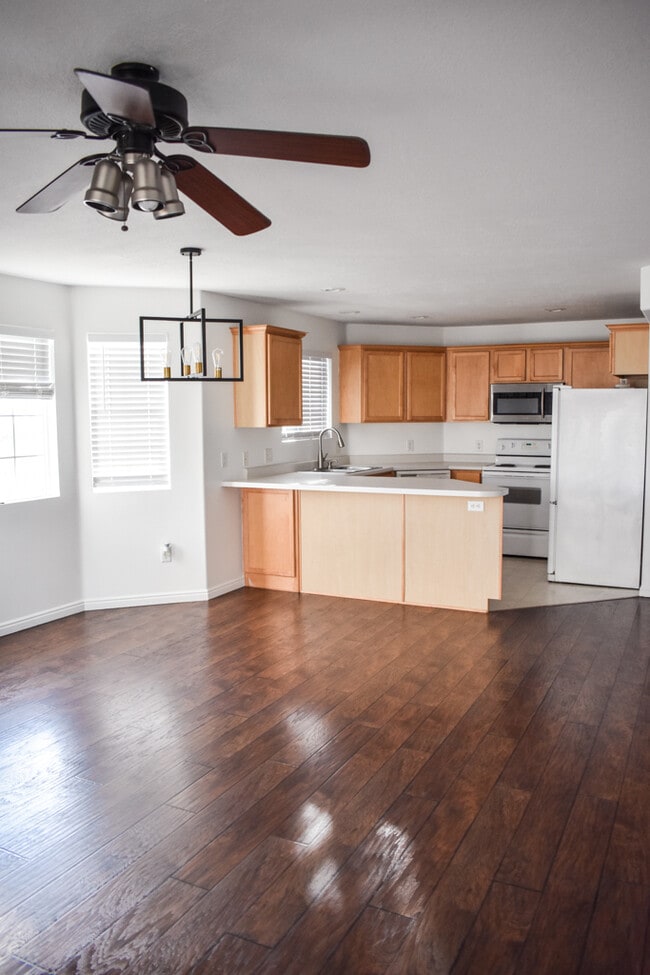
216	361
186	357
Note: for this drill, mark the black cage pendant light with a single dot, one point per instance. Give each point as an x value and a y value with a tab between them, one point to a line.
192	348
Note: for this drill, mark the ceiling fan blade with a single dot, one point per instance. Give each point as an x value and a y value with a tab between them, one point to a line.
118	99
333	150
216	197
62	187
56	133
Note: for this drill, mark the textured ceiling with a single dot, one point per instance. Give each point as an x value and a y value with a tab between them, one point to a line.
510	146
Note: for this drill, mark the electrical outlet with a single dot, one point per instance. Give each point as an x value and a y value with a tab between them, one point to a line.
244	458
166	552
475	506
224	458
410	446
268	455
478	444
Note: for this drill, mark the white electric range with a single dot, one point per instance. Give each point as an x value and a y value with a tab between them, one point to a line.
523	467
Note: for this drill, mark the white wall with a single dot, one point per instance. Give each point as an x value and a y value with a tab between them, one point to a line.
122	532
40	563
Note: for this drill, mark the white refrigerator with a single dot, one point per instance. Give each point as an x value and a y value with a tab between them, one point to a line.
597	482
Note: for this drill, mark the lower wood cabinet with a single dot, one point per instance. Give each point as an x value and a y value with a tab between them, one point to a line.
420	549
270	539
473	476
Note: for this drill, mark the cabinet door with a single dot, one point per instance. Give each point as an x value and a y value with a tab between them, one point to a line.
628	347
425	386
473	476
383	386
587	366
468	384
545	364
508	365
284	384
270	539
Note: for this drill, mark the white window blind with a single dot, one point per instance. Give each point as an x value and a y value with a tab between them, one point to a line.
129	419
316	399
28	444
26	367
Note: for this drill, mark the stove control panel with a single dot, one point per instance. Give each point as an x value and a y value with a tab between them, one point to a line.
518	447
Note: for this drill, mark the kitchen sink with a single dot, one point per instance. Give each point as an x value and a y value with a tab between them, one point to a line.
346	469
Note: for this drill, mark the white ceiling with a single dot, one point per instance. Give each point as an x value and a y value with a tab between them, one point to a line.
510	145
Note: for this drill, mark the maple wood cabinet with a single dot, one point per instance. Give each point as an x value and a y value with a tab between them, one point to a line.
270	539
628	349
527	364
271	393
586	366
468	383
474	476
391	384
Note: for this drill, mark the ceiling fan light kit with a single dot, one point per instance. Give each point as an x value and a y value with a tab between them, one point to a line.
131	107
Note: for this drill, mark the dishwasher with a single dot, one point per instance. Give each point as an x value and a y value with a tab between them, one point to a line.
438	473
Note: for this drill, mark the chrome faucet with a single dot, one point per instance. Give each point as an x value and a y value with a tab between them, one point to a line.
321	456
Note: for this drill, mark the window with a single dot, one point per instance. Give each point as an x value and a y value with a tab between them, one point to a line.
129	419
316	399
28	447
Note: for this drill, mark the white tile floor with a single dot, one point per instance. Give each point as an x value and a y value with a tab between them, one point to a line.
525	584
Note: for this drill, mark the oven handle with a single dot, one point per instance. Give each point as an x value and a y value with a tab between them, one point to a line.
512	473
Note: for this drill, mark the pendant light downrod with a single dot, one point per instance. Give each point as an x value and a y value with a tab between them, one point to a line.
191	253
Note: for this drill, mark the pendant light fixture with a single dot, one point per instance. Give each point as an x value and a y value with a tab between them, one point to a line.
179	350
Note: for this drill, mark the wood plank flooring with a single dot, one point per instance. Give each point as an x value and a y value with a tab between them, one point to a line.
273	783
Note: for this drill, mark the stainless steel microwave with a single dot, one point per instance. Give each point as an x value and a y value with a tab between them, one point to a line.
521	402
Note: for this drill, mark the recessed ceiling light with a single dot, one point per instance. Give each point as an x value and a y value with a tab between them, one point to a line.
333	290
555	311
420	318
350	313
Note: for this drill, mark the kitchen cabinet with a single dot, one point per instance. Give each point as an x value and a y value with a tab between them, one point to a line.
468	383
391	384
270	539
586	366
271	392
473	476
527	364
628	349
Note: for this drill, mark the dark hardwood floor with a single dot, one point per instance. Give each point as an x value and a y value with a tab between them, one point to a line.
275	783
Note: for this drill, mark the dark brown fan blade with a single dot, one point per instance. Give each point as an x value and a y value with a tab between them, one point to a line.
56	133
216	197
333	150
59	191
118	99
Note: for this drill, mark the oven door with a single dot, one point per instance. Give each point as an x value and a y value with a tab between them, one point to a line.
527	503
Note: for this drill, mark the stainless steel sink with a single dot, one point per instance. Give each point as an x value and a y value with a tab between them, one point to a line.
346	469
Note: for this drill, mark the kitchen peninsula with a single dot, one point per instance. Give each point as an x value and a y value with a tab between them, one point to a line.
423	542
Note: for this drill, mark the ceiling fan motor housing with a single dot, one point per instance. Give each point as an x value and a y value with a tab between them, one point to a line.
169	106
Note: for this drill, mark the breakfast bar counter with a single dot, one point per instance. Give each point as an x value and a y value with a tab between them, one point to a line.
421	541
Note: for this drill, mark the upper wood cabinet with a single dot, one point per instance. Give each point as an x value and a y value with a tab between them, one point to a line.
527	364
391	384
468	383
586	365
628	349
271	393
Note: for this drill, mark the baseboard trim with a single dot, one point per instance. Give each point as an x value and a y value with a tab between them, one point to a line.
119	602
644	592
37	619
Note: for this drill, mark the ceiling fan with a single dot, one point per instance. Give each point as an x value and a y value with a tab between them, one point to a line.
131	107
